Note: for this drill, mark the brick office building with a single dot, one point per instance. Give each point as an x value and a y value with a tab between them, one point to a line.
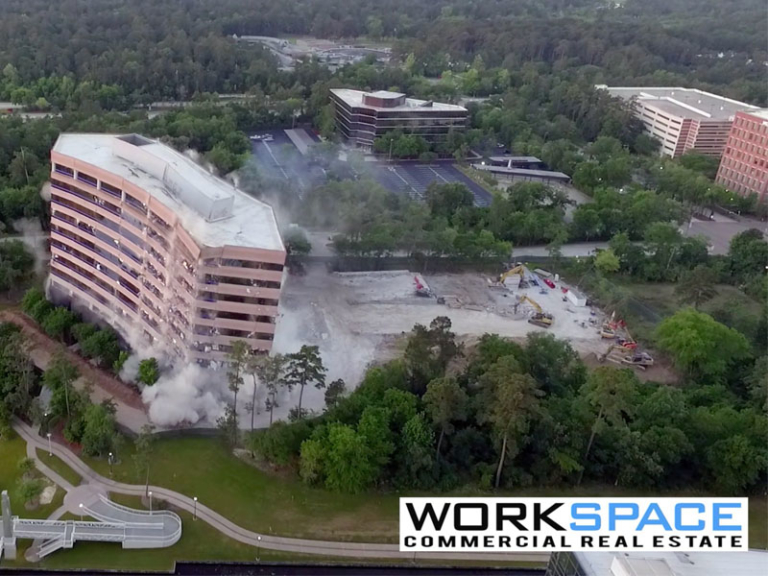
744	166
148	241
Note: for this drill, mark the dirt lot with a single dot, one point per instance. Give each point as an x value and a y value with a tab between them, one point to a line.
358	318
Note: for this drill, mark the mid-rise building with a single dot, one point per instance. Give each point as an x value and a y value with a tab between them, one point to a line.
361	117
744	166
145	239
683	119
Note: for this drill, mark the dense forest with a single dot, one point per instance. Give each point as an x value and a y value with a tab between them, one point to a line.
503	414
148	50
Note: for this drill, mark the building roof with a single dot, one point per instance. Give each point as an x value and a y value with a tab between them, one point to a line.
684	102
522	172
386	94
528	159
762	114
750	563
214	212
354	98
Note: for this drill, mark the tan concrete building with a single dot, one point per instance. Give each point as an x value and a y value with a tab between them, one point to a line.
149	241
683	119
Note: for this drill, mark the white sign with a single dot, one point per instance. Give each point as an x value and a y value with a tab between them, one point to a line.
573	524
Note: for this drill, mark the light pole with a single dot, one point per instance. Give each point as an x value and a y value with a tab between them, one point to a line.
258	549
81	511
194	514
110	464
50	451
150	501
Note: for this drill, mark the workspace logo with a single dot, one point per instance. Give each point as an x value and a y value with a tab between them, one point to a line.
573	524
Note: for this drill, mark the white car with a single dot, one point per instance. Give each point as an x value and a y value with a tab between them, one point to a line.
262	138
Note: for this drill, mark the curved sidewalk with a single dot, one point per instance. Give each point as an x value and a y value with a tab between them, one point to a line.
232	530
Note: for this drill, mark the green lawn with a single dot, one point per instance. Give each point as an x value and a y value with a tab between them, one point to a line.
199	542
57	465
203	467
282	505
11	452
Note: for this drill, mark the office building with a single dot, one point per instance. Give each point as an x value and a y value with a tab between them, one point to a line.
683	119
145	239
744	166
752	563
361	117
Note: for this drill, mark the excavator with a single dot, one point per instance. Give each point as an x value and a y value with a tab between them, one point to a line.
539	318
518	270
641	360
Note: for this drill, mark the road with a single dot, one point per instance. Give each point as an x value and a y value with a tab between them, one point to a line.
232	530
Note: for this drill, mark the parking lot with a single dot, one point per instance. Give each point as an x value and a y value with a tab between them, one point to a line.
413	179
278	157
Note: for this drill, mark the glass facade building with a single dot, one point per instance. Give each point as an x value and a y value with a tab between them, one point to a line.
361	117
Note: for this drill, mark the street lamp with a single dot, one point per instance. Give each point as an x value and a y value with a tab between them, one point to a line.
258	549
81	511
50	451
150	501
194	514
110	464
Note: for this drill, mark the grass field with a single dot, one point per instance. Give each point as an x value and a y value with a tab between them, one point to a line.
58	466
271	504
11	452
261	502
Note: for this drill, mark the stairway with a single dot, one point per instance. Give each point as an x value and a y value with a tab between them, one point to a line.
50	546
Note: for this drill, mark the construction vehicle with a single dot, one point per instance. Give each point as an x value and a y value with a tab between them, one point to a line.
640	360
606	332
421	289
539	317
518	270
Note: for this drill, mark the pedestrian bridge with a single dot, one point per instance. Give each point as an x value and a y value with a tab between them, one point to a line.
113	523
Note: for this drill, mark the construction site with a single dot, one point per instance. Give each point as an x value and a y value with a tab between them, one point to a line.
361	318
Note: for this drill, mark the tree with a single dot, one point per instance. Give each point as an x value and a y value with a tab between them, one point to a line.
445	402
31	298
697	286
268	370
99	431
117	365
416	453
429	350
700	345
610	392
238	359
296	242
149	371
144	446
606	261
27	467
102	346
748	254
305	367
348	466
30	491
60	374
516	400
334	393
554	364
445	199
736	463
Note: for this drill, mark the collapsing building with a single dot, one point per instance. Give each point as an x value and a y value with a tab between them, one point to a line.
147	240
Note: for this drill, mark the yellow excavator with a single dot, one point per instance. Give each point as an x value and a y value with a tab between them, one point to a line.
539	318
518	270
